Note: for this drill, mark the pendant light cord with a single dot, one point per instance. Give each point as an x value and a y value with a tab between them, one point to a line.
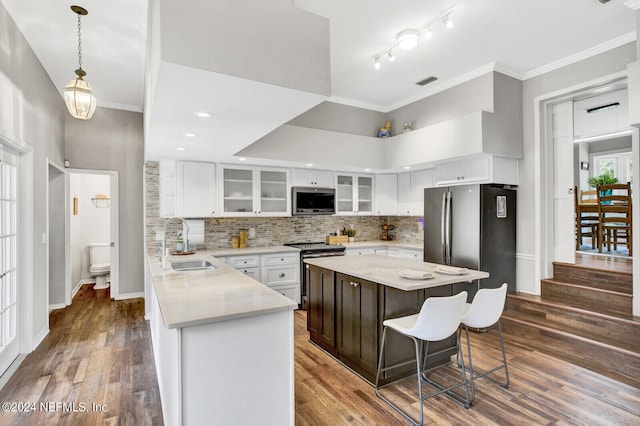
79	44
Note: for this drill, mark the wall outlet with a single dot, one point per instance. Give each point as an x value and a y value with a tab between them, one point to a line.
252	232
159	235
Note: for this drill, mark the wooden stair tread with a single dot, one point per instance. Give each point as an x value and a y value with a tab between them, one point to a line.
599	343
562	304
624	293
595	268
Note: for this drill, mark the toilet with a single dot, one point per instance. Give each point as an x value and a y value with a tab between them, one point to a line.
100	261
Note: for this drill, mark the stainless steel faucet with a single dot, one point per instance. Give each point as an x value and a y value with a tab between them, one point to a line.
164	239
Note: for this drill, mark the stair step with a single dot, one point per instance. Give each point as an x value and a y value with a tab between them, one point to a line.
606	279
620	364
587	297
613	330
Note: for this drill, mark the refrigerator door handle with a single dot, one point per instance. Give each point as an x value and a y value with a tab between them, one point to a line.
448	230
443	235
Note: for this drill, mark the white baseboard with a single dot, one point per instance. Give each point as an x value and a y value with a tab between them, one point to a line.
39	338
80	284
57	306
11	370
130	296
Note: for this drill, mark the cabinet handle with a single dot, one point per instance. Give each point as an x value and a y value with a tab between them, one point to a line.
281	275
354	284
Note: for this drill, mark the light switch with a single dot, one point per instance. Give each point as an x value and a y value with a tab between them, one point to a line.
159	235
252	232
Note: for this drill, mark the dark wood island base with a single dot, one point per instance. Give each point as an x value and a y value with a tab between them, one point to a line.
345	315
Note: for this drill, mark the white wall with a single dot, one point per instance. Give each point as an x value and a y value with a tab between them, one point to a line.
91	224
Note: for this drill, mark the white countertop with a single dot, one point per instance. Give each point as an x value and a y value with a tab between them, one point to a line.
385	270
191	298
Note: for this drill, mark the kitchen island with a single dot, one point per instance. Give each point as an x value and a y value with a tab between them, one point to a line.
350	296
223	345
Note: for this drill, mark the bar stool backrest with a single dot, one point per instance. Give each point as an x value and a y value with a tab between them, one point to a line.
439	317
486	307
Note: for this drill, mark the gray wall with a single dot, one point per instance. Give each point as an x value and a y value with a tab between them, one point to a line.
341	118
113	140
32	113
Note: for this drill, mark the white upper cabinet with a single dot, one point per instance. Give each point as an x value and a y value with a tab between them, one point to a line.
354	194
313	178
411	191
196	189
386	197
251	191
167	172
477	169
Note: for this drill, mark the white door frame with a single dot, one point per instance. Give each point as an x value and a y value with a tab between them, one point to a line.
49	163
543	161
114	213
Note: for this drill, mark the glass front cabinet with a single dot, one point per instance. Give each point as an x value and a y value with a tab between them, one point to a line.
252	191
354	194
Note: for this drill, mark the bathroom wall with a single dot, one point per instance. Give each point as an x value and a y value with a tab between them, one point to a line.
269	231
90	225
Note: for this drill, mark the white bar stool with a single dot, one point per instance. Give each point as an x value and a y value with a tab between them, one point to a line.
483	312
438	319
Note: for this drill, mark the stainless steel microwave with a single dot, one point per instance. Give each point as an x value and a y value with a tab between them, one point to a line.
310	200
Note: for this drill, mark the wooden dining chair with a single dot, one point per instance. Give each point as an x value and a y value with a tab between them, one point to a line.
614	215
586	217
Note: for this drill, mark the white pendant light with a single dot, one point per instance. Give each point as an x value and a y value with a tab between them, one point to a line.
78	95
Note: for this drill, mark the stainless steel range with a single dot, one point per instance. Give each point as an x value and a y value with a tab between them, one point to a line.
310	250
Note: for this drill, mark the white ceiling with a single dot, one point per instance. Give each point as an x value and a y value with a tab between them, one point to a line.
521	38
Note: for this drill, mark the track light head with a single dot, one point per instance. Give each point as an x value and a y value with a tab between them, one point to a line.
376	63
428	34
448	22
391	56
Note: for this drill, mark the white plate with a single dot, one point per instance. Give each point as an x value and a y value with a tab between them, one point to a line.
450	271
415	275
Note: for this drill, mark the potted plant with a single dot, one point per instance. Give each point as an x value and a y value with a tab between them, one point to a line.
603	179
351	233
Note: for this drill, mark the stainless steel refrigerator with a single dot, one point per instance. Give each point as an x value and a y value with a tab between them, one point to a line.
472	226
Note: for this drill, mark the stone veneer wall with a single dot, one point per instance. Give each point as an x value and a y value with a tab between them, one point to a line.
270	230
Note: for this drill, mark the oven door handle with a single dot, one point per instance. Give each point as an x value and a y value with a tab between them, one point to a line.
312	256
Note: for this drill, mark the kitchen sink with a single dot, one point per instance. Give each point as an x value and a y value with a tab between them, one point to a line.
191	265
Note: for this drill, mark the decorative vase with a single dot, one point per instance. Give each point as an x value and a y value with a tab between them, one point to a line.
352	239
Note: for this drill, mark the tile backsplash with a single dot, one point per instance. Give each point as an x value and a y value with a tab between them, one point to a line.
270	230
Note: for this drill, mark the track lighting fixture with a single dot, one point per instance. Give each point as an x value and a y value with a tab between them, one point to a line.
408	38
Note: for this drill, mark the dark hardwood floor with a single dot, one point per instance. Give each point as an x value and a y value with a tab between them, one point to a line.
99	350
544	391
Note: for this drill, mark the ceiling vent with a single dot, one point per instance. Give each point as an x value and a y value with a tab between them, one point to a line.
426	81
604	1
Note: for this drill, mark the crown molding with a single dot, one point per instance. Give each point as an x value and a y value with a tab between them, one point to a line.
632	4
585	54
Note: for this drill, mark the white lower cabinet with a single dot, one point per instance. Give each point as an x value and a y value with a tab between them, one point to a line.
281	273
357	251
248	265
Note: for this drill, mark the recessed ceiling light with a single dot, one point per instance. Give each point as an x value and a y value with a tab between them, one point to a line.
309	165
407	167
180	148
203	114
367	170
242	159
190	135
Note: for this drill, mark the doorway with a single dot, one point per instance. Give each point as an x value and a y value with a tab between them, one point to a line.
55	236
93	222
